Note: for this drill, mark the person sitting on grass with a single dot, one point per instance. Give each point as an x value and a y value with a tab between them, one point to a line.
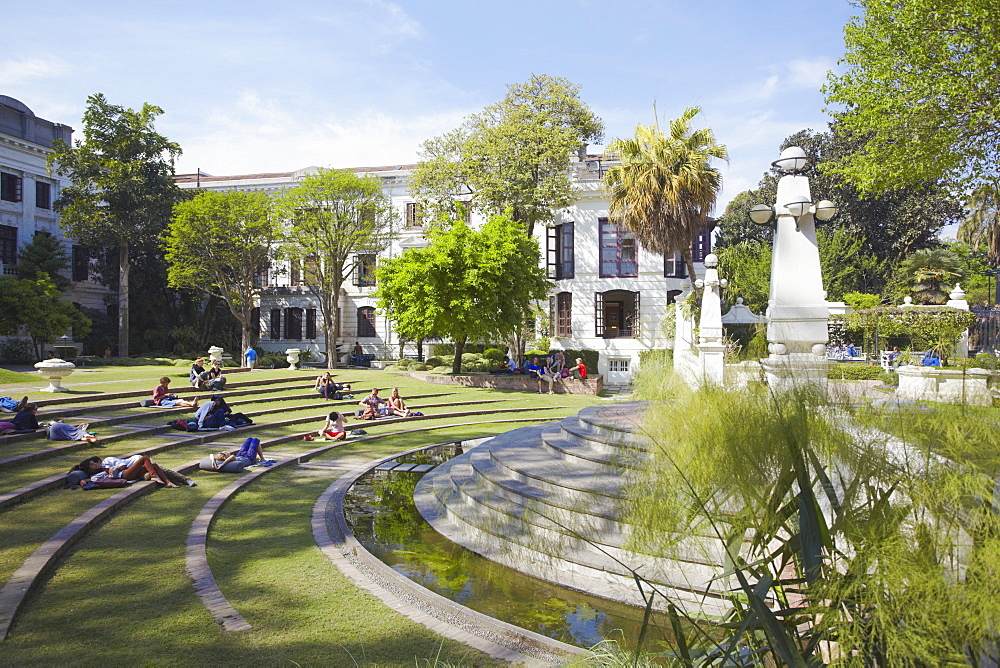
396	404
333	430
213	380
164	398
373	406
212	413
194	375
26	420
60	431
329	388
249	453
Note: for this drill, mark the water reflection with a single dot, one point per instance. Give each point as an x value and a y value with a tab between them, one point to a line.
381	513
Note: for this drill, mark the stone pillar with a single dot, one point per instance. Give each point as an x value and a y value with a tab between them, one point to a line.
797	309
711	349
957	300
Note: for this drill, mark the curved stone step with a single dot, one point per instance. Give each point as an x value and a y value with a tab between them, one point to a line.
559	438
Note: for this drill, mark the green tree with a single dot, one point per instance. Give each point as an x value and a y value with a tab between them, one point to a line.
665	185
466	284
512	155
890	226
220	243
920	83
337	221
747	267
38	307
122	190
981	231
45	254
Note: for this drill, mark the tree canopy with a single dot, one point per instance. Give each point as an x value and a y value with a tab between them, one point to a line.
888	227
43	254
466	284
122	190
338	222
665	185
220	243
512	155
37	305
921	84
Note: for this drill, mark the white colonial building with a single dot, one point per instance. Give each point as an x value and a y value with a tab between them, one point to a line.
28	191
609	296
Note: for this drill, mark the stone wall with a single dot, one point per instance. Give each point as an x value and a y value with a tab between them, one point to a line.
593	385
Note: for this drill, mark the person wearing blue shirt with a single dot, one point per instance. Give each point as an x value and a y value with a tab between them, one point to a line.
251	357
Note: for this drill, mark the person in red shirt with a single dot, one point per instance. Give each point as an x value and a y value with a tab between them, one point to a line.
580	370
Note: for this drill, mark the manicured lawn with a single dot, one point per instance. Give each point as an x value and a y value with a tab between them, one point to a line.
122	596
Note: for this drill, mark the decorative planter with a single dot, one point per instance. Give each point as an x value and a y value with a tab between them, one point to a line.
215	354
54	371
951	386
292	357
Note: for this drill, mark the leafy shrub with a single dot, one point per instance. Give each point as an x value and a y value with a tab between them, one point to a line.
419	366
404	363
982	361
17	350
495	355
855	372
441	369
589	357
434	361
468	358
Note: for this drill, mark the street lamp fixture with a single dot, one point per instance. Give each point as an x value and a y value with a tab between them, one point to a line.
825	210
793	160
761	214
798	208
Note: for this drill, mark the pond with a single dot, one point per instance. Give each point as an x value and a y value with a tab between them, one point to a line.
380	510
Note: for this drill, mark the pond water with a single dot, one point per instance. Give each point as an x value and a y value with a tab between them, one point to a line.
381	512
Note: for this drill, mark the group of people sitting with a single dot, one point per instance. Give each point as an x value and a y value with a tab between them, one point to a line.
375	406
211	379
548	369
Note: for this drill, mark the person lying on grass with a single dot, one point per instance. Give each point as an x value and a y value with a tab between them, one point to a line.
60	431
249	453
116	468
163	397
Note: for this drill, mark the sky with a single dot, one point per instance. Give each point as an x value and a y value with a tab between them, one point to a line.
249	87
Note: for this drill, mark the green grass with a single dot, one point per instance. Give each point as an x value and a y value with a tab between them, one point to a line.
122	596
8	377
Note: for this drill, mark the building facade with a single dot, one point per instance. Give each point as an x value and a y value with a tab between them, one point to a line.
610	295
28	193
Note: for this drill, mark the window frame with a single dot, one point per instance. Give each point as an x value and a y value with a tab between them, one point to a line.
43	195
560	261
11	187
370	330
564	315
413	214
274	330
364	269
608	231
293	323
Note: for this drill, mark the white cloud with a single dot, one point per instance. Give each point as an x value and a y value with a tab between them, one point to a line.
395	20
808	73
25	70
255	134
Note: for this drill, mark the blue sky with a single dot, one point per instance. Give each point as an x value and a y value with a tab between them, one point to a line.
253	86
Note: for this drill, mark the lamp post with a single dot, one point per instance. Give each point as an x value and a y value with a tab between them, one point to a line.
797	311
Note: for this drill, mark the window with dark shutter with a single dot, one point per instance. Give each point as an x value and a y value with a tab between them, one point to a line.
310	323
702	245
10	187
8	244
599	314
618	254
366	322
564	315
293	324
674	266
43	195
81	263
414	215
275	324
567	261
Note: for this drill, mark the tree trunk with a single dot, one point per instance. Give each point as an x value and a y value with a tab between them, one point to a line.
689	261
247	330
420	350
456	365
123	272
331	346
402	347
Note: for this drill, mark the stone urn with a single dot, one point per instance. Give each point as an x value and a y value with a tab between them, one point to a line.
292	357
54	371
215	354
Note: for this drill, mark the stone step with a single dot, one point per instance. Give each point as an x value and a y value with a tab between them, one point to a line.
559	439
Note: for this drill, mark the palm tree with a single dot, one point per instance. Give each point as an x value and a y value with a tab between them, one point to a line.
931	273
982	225
664	187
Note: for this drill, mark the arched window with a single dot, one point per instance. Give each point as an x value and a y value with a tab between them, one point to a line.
366	321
